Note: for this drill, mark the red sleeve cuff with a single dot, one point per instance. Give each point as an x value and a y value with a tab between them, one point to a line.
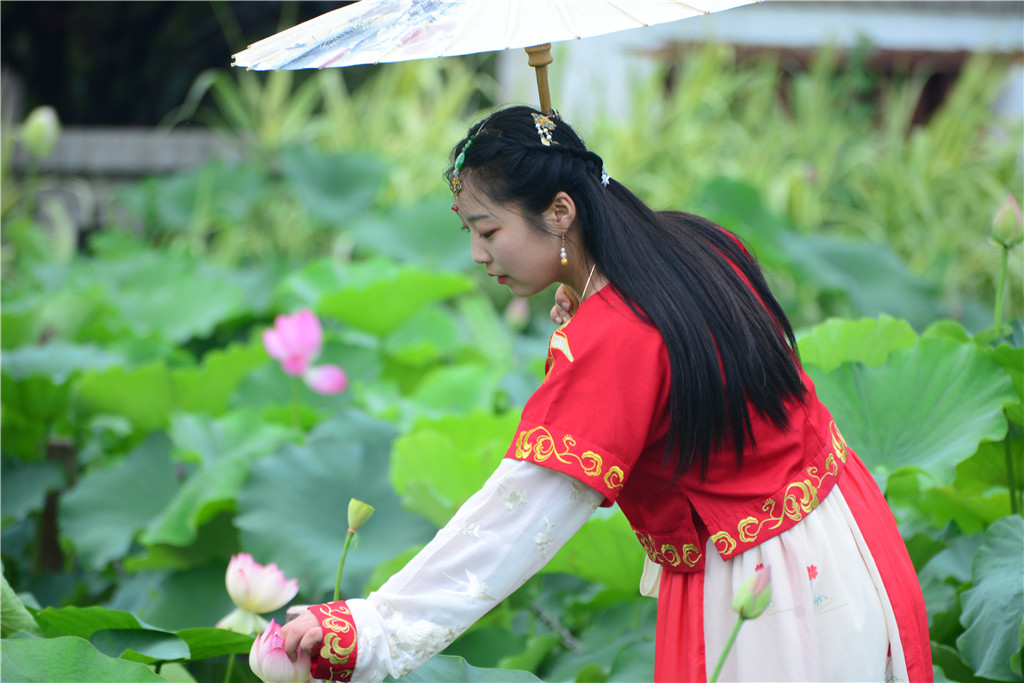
336	659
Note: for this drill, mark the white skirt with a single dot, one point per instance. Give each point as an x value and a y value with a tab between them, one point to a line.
829	619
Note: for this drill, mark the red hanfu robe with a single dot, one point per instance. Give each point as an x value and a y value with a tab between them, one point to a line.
601	417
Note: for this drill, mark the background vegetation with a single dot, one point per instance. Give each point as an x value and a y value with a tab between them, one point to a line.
147	436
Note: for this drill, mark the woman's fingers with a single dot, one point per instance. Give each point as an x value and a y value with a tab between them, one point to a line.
301	632
566	303
311	640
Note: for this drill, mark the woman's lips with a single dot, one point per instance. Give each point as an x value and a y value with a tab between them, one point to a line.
502	279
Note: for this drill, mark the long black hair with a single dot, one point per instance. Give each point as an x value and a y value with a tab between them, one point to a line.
728	342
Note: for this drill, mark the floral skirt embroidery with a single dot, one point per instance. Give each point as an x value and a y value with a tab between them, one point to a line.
830	619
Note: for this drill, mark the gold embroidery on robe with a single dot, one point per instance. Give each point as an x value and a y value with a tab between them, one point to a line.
799	499
724	543
838	442
560	342
613	479
538	445
668	554
339	637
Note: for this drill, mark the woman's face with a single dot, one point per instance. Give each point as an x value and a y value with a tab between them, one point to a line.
518	255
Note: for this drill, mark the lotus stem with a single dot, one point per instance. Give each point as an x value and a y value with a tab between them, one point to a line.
999	292
728	647
1011	477
341	564
227	672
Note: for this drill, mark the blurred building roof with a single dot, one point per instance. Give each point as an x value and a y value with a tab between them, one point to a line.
602	67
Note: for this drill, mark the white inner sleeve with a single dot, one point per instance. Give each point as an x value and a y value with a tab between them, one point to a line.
499	538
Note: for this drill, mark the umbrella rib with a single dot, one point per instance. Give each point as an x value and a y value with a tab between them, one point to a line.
688	6
513	9
566	18
629	14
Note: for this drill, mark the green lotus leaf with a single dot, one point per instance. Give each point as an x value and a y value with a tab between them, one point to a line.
867	341
605	551
181	600
617	645
83	622
156	292
19	323
118	390
31	406
993	608
292	509
23	487
333	186
947	329
375	296
448	668
214	642
140	645
226	448
427	337
68	660
105	510
1012	360
455	389
873	277
440	463
926	408
57	360
425	234
987	469
14	618
490	335
164	390
208	388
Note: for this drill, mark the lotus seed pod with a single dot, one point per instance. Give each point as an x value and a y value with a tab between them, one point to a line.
358	513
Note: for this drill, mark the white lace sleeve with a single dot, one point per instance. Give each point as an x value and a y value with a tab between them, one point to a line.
498	539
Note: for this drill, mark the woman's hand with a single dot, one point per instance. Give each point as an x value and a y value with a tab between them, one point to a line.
566	303
302	633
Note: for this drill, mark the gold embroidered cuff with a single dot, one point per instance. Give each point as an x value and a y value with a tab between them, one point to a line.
336	658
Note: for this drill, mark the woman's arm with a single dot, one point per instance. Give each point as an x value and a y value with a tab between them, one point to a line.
499	538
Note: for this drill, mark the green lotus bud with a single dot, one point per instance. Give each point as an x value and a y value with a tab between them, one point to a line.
40	132
754	594
1007	224
358	513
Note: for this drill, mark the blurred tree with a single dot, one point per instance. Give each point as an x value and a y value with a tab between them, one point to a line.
129	63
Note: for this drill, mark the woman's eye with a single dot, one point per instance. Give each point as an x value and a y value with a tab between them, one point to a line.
487	235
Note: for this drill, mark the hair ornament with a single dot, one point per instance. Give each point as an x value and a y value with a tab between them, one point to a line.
459	161
544	126
605	178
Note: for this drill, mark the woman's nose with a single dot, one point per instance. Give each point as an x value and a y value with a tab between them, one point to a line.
479	254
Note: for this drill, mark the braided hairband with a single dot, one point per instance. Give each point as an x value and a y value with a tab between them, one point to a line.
544	125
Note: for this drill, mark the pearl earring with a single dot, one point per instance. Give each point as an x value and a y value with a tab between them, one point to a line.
563	255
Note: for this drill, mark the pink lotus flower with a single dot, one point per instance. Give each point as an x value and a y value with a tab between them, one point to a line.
295	341
270	662
255	590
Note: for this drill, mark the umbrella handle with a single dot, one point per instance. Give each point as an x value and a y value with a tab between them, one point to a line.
540	57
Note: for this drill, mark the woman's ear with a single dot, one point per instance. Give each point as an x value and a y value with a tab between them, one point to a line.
562	212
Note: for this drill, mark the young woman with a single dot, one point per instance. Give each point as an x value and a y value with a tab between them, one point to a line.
673	389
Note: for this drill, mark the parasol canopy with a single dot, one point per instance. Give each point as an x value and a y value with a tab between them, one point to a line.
375	31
